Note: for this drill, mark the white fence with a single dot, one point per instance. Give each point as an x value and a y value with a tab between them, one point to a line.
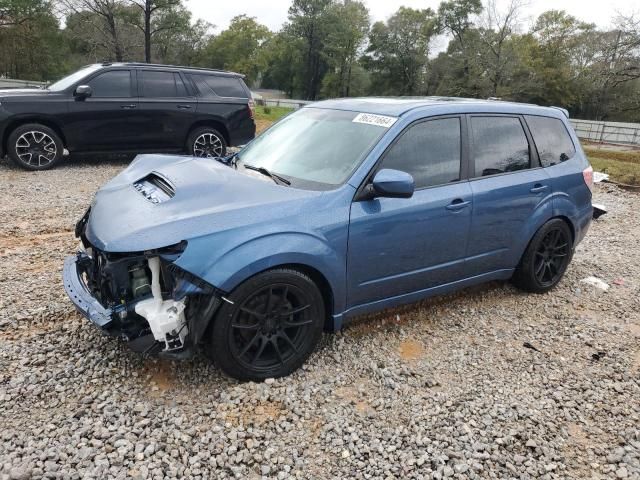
607	132
13	83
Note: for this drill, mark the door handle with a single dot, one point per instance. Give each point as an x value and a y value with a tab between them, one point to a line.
128	106
184	107
458	204
538	187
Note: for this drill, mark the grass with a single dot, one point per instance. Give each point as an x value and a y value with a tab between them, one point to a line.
621	165
274	113
265	116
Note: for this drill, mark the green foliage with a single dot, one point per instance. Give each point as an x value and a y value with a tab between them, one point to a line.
328	49
398	51
239	48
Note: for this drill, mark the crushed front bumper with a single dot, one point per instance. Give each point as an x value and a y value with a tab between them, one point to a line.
90	307
80	295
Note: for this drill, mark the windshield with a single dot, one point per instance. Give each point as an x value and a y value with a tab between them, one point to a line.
313	147
69	80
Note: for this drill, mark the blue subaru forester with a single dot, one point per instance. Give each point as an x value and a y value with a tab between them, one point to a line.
341	208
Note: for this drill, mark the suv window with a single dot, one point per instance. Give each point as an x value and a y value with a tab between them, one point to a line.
115	83
211	86
162	84
552	140
429	151
500	145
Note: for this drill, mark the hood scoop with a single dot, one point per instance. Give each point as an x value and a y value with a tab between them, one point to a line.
155	188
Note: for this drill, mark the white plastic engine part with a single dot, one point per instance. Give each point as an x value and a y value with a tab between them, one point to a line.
166	317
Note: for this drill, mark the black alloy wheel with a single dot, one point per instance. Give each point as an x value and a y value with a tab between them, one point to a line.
551	256
273	325
546	259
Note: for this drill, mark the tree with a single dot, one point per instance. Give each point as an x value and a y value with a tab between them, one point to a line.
348	29
398	51
238	48
497	28
109	21
150	9
309	20
455	18
17	12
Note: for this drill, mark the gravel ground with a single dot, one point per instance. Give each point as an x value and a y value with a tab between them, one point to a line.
488	383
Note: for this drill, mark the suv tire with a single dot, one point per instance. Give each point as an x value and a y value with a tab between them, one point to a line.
269	326
206	142
34	147
546	258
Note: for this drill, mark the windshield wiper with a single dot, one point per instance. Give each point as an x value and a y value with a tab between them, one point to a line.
273	176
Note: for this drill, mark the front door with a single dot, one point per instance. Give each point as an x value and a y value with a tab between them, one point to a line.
398	246
508	188
104	121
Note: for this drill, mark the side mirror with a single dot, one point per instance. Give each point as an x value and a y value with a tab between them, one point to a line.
83	91
392	184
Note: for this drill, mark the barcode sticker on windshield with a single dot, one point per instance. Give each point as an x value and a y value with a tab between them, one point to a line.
372	119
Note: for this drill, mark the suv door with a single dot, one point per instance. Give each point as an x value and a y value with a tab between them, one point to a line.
398	246
167	109
508	187
105	120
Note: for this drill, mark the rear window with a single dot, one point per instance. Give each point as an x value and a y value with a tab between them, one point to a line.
500	145
552	140
211	86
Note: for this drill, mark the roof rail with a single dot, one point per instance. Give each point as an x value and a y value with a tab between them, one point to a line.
563	110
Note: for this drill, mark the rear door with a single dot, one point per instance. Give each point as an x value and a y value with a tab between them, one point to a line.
106	120
508	187
403	245
167	109
225	99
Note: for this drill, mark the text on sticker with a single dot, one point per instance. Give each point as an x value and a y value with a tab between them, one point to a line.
372	119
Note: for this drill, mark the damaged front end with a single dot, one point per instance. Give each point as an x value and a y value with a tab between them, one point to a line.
141	297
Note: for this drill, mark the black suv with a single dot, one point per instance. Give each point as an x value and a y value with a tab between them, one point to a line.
126	107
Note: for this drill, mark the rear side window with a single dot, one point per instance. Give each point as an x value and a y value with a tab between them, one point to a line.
429	151
552	140
499	145
116	83
162	84
211	86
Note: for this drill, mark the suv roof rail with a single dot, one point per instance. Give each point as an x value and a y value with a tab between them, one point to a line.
203	69
563	110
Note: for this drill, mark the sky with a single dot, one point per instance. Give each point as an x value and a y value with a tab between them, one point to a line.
273	13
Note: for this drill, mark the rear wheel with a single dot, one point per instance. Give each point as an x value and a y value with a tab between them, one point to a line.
206	142
270	329
35	147
546	259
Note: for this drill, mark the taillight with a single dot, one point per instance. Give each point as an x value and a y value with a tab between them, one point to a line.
252	108
587	173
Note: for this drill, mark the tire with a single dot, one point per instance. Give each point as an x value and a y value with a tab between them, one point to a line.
206	142
546	258
34	147
248	344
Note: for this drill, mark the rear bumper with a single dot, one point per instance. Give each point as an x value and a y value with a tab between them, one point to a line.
582	223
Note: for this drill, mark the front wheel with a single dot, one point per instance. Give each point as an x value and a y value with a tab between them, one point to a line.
271	327
206	142
546	258
35	147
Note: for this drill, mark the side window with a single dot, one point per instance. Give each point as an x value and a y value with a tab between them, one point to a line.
116	83
499	145
552	140
162	84
211	86
429	151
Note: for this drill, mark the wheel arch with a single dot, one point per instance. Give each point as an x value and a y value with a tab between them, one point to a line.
217	124
18	122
